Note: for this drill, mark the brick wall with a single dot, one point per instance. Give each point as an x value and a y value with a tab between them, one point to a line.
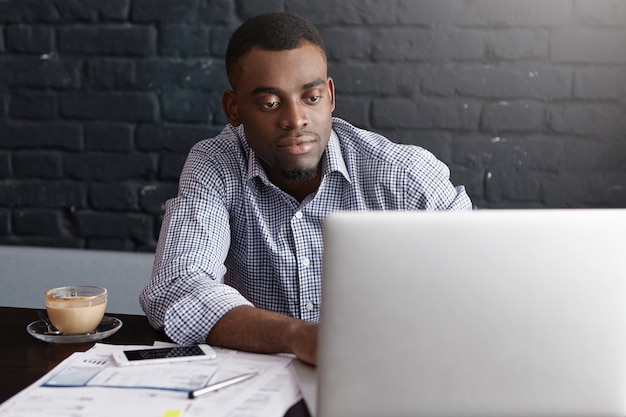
100	100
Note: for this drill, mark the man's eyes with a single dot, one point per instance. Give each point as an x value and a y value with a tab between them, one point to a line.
271	105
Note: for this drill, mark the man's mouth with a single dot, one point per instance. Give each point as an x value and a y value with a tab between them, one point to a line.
296	145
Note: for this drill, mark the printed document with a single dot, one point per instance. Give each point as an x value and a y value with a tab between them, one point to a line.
89	384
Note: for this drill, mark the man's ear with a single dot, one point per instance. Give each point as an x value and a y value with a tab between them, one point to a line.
230	107
331	91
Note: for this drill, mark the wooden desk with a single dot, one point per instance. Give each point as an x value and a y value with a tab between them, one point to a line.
24	359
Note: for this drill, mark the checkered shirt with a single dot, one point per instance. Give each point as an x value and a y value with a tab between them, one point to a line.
232	238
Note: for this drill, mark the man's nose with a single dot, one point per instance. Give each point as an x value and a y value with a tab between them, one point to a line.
294	116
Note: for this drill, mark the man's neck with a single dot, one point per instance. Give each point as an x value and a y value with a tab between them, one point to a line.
299	189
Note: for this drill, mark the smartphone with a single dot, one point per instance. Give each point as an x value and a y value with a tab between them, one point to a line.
164	355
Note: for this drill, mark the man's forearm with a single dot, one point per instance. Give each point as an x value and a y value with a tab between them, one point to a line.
256	330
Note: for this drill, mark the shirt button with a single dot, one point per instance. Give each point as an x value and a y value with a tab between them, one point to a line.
306	262
298	214
309	306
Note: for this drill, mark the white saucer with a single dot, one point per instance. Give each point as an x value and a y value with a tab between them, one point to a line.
106	328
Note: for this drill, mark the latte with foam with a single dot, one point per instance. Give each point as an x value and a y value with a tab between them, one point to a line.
76	309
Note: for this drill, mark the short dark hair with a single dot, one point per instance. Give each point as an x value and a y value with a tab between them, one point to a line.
278	31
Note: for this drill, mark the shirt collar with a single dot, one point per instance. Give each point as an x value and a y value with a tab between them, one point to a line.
332	159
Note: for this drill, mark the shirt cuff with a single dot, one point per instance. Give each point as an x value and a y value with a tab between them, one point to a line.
191	318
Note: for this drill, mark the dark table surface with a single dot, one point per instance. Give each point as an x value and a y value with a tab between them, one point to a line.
24	359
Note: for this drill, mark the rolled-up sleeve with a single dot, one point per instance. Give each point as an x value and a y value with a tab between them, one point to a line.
186	295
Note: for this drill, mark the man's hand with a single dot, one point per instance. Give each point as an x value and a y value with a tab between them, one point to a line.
256	330
304	341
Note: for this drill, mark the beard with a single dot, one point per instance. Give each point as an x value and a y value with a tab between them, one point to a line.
299	175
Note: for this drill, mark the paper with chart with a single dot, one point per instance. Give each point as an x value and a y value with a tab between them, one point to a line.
90	384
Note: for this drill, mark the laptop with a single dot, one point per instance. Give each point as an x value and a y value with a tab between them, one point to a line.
483	313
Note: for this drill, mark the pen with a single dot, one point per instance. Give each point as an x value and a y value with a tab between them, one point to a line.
214	387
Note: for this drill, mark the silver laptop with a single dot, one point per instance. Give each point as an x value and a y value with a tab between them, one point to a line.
484	313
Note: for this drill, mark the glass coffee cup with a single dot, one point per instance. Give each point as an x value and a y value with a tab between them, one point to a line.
76	309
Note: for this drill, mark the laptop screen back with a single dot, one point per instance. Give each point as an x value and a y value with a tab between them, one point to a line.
483	313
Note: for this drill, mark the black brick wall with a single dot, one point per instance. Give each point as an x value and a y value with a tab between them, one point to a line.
100	101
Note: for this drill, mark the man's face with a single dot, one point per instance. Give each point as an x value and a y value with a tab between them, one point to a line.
285	100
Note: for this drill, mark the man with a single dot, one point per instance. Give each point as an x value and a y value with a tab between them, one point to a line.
238	262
